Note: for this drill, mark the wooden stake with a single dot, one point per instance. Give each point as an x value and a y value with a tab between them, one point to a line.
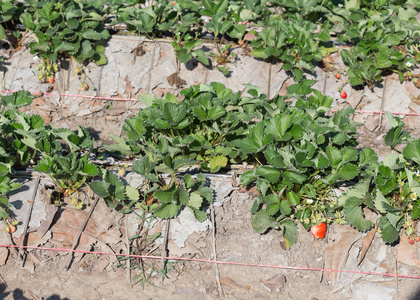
76	242
28	218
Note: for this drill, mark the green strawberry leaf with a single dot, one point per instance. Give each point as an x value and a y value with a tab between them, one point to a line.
262	221
354	214
167	211
290	231
388	232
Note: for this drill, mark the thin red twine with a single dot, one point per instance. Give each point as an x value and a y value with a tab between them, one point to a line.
213	261
132	99
77	96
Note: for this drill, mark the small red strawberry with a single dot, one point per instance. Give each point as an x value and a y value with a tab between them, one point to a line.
338	75
319	230
417	57
418	239
84	86
10	228
51	79
343	95
411	241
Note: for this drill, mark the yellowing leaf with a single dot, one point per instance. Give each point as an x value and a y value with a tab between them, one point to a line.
218	162
195	200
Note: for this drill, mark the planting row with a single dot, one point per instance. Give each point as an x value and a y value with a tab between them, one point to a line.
299	154
383	35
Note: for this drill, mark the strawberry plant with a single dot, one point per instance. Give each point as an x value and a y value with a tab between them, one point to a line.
292	42
305	155
15	125
166	199
9	16
12	151
5	187
66	27
220	25
68	172
201	128
389	188
380	43
113	190
185	48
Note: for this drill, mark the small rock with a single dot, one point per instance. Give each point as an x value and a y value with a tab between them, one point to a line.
372	122
372	291
30	266
4	254
397	97
90	293
4	240
189	293
381	254
223	190
39	101
101	264
83	112
260	296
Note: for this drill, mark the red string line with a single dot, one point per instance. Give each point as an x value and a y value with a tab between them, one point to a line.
380	112
212	261
133	99
39	94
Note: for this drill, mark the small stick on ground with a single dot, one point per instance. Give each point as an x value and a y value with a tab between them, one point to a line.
219	285
165	246
28	218
396	279
149	76
76	242
35	297
12	242
382	103
269	80
127	241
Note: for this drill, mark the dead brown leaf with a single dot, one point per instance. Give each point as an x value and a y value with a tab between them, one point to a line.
328	63
366	242
275	283
229	284
416	99
50	210
174	79
139	50
336	253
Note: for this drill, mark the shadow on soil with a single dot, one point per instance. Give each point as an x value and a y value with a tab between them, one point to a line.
416	295
17	294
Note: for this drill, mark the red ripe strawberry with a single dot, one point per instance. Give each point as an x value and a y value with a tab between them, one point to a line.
84	86
417	57
51	79
11	228
343	95
338	75
319	230
411	241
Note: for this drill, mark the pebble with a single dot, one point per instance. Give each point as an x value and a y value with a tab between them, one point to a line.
381	254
